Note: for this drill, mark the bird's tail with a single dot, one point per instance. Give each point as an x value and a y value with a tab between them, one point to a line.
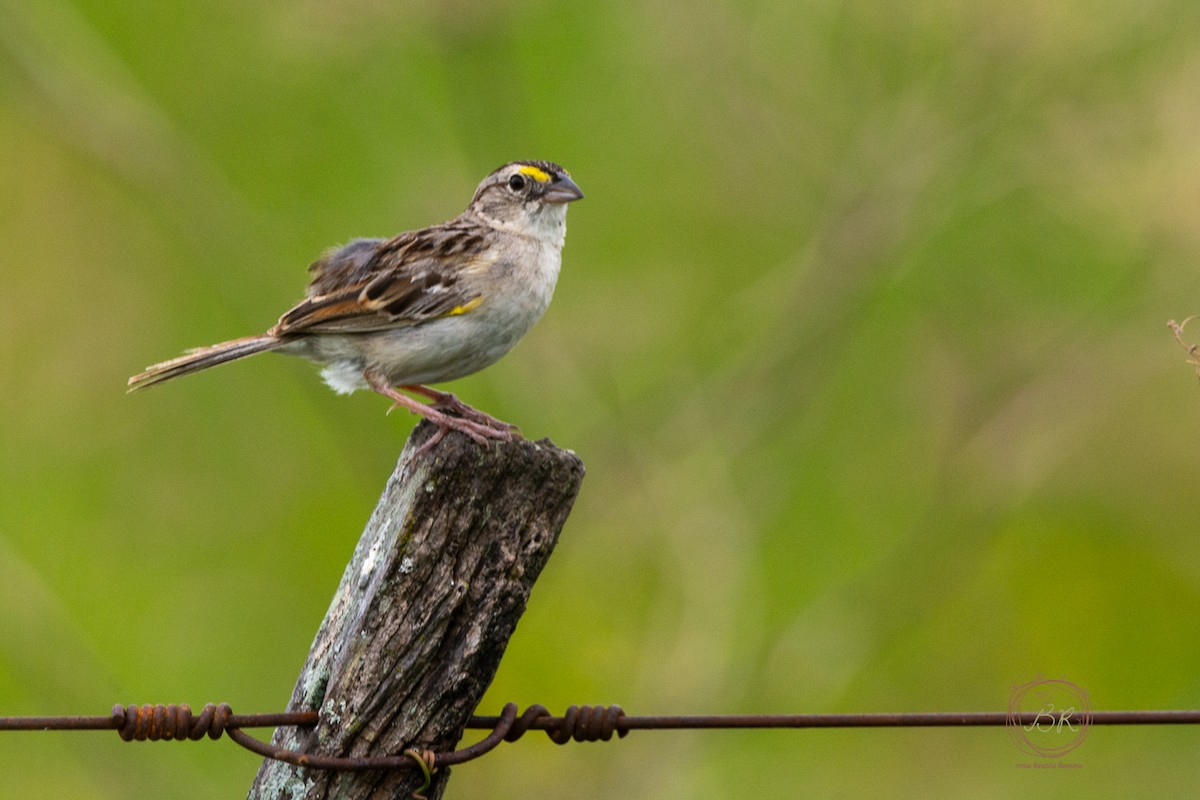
203	358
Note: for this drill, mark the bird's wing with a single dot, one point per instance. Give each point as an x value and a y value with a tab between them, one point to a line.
371	285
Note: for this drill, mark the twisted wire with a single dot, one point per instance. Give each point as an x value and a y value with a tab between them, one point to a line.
156	722
579	723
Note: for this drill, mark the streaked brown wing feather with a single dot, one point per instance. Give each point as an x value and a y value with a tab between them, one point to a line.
343	266
371	285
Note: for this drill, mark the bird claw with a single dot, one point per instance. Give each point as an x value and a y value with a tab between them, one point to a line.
450	404
445	411
480	434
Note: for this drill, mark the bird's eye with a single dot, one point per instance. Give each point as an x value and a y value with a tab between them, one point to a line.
516	183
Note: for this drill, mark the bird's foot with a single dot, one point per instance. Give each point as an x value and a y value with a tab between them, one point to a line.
480	434
479	427
447	402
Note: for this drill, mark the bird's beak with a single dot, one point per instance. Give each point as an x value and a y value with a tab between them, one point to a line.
562	190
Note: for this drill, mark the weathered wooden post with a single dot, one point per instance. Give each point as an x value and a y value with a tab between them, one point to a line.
424	611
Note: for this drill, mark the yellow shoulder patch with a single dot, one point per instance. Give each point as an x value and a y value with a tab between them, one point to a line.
470	305
539	175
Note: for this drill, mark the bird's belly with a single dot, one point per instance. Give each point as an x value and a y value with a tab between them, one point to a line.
440	350
432	352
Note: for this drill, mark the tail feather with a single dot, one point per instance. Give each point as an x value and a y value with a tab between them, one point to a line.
203	358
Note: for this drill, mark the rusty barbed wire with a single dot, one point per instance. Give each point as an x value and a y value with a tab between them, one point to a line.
579	723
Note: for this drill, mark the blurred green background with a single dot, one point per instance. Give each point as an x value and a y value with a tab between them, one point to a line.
861	334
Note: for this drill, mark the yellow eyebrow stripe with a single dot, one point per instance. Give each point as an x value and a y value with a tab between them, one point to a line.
539	175
471	305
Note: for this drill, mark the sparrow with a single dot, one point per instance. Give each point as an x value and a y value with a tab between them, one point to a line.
426	306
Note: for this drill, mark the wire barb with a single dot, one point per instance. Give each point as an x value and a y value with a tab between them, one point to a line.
155	722
580	723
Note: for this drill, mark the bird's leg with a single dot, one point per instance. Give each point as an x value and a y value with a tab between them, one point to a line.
448	402
476	430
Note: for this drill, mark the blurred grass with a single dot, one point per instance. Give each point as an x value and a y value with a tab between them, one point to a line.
861	334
